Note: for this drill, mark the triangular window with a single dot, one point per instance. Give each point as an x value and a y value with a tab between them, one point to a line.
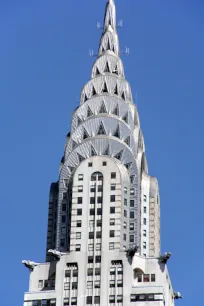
125	118
79	121
107	69
119	155
101	130
106	152
116	90
127	141
86	135
123	96
85	98
74	144
93	151
103	109
80	157
97	71
71	169
115	70
105	89
89	112
108	45
116	111
93	91
128	165
117	132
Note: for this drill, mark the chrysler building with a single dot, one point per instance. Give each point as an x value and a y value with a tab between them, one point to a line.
103	236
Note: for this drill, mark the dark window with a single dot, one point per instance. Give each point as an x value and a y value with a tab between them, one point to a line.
79	212
80	177
92	212
96	299
125	202
93	189
89	300
145	210
113	175
104	163
112	299
153	278
67	273
112	233
97	284
112	284
132	226
98	235
139	278
79	200
146	278
63	219
74	285
97	271
90	164
74	301
90	272
112	198
99	223
144	221
99	211
91	235
90	259
112	210
92	200
124	237
78	248
120	270
100	188
132	203
112	222
112	271
62	243
75	273
125	213
132	238
64	207
98	259
64	195
78	223
132	214
120	283
113	187
99	200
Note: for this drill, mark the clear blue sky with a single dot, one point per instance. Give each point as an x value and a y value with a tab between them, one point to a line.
44	63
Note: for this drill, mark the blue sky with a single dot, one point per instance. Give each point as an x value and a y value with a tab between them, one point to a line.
44	64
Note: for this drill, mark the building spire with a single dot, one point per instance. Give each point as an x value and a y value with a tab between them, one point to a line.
109	39
110	15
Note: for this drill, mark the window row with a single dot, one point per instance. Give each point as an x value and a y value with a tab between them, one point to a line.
145	278
74	273
113	284
90	300
73	286
145	297
72	301
51	302
91	259
114	299
90	271
89	284
104	163
48	284
98	177
104	89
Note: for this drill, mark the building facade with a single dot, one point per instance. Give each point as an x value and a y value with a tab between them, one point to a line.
103	237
